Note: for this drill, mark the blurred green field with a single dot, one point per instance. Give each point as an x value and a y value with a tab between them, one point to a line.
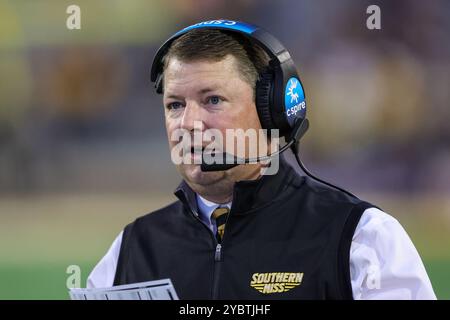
41	235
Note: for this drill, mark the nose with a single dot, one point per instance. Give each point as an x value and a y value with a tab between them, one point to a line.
192	117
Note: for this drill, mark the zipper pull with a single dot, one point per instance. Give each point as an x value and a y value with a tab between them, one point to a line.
218	254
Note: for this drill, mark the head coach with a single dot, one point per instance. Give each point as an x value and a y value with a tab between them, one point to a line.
235	232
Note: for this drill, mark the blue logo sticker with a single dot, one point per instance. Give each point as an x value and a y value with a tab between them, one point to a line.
294	99
225	24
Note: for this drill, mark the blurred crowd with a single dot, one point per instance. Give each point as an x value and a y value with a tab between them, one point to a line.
78	111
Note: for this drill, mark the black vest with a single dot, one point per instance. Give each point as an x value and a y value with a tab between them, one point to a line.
286	237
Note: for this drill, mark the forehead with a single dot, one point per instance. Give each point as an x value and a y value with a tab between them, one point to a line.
179	72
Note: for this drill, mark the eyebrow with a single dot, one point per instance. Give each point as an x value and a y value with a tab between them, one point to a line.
202	91
174	96
206	90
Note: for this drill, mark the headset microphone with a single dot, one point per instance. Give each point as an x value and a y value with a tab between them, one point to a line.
229	161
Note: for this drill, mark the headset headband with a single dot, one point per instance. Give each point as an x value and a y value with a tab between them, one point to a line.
269	43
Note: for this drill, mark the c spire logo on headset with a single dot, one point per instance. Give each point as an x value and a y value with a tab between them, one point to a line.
294	98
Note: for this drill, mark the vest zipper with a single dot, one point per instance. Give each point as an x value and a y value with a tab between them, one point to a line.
217	264
218	255
217	258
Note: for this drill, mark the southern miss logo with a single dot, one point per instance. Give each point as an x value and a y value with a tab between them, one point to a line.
274	282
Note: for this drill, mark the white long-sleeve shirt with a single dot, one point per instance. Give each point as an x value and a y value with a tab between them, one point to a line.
384	264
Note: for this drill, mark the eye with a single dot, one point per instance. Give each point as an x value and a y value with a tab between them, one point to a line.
174	106
214	100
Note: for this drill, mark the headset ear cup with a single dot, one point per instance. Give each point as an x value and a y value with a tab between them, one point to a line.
264	99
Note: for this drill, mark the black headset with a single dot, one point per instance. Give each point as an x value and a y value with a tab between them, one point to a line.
280	97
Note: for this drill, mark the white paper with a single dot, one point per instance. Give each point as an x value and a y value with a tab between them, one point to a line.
149	290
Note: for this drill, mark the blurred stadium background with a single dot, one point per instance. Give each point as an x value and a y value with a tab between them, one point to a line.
82	142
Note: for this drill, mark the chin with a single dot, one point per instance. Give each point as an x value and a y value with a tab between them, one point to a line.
193	174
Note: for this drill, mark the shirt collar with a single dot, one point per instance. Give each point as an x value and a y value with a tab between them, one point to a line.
206	208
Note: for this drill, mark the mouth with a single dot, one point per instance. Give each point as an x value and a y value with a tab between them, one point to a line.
195	153
197	150
198	153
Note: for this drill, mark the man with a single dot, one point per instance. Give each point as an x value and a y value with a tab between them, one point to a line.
240	234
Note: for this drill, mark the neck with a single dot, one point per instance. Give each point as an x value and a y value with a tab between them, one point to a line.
218	199
222	192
